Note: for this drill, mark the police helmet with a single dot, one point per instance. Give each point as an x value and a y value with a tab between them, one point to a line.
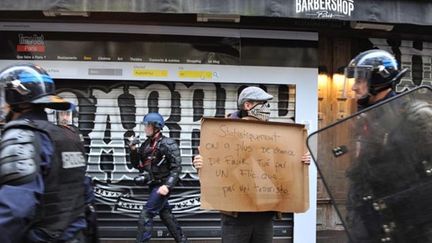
155	119
29	83
253	94
376	67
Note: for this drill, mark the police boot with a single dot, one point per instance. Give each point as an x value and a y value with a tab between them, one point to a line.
173	227
145	227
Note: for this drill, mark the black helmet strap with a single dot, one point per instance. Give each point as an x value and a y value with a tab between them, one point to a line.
374	90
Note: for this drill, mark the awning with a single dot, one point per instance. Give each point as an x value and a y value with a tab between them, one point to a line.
380	11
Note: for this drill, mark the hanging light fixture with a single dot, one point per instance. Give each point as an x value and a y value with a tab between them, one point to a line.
323	82
339	83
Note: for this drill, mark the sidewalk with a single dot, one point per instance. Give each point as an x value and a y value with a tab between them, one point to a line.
172	241
327	236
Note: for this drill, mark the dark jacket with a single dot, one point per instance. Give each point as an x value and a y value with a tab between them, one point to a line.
388	184
164	162
21	204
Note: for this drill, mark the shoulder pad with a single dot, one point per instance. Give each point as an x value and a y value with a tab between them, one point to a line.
419	110
168	141
17	135
169	145
18	156
19	123
420	114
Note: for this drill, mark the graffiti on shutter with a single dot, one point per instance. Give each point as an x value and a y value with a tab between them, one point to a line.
108	116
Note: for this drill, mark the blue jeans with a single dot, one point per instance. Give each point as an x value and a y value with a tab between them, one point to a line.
158	205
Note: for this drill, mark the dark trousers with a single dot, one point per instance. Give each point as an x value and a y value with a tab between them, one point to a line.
91	233
158	205
253	227
79	238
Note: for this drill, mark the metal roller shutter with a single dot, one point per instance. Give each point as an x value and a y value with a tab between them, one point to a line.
111	111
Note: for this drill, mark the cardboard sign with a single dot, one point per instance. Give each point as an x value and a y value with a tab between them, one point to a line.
253	166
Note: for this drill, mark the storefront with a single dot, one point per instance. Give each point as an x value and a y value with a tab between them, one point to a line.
116	78
188	59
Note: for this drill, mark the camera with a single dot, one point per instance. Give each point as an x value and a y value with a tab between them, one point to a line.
143	179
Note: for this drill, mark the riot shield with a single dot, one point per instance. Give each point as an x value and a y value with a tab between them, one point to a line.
377	168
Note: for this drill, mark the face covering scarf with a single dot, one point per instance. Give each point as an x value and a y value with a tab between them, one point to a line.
260	111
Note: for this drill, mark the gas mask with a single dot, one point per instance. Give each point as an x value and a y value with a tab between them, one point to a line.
260	111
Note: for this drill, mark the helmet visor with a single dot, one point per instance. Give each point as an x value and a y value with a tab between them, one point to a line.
358	73
64	118
356	79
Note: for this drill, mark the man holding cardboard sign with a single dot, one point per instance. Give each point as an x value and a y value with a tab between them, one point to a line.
250	170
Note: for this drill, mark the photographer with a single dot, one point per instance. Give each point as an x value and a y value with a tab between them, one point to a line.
158	159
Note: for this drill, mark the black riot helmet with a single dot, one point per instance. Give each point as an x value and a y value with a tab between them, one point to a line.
376	67
29	83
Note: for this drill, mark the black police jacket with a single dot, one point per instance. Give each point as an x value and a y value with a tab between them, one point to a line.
388	185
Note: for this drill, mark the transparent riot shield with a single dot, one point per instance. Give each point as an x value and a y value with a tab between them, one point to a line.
377	168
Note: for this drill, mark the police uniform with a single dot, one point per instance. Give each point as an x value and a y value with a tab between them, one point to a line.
41	170
380	176
91	232
46	174
382	204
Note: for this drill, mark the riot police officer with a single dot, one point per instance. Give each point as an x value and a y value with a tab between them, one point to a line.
67	120
41	170
375	72
158	159
380	168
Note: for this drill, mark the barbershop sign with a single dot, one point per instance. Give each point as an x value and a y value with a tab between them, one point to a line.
325	8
